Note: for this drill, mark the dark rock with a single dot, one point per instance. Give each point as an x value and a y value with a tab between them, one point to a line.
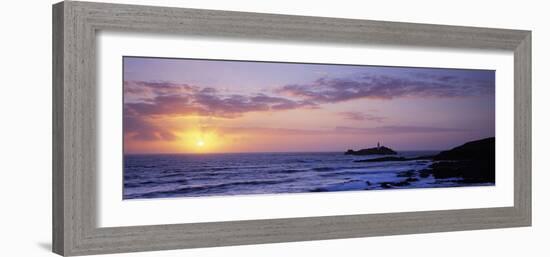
318	190
382	150
384	159
426	157
409	173
401	183
386	185
483	149
478	171
394	184
474	162
411	179
396	159
425	173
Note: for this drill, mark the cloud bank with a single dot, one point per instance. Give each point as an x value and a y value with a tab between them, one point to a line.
145	101
375	86
360	116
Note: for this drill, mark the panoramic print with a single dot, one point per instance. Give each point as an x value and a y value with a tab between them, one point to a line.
197	127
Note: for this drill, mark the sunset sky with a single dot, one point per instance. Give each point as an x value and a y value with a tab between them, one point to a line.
208	106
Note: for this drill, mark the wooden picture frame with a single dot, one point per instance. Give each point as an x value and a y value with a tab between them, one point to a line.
75	25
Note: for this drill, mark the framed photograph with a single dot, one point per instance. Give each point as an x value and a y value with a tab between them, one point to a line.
183	128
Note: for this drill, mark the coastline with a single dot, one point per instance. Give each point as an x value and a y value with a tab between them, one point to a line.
195	175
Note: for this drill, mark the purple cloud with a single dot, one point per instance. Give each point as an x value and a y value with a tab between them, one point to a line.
376	86
397	130
174	99
338	130
359	116
145	100
140	129
145	91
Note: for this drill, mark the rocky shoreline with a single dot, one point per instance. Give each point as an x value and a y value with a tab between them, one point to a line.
470	163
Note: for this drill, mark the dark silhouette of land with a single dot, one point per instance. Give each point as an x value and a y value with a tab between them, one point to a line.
380	150
472	162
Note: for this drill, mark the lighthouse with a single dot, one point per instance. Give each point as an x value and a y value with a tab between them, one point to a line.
378	146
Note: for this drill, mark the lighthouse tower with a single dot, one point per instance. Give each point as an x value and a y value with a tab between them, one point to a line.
378	146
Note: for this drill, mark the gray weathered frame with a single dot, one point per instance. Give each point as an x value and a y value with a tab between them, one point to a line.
75	25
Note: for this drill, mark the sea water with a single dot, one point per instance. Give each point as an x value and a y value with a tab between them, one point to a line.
192	175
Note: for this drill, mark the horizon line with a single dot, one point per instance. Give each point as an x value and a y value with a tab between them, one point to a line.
272	152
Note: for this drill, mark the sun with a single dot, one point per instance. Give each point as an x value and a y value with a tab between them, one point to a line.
200	143
196	141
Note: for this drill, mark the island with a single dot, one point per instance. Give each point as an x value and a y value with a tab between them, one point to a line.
378	150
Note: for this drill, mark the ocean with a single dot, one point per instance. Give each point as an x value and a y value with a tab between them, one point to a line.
193	175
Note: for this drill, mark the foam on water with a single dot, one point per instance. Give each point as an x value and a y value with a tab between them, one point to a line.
186	175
